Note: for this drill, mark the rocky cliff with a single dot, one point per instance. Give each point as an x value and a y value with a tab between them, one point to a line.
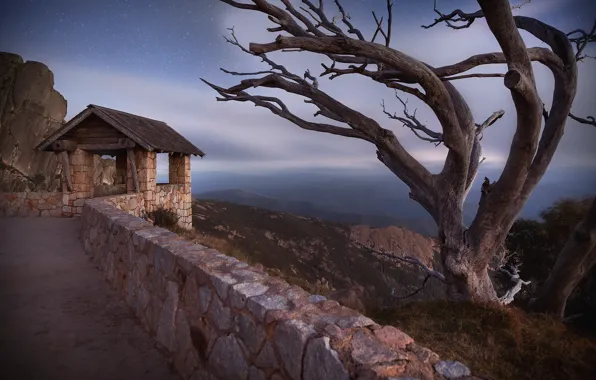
30	109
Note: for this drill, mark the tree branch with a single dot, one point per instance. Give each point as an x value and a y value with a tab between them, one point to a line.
459	16
475	155
480	75
405	259
588	120
276	106
386	35
509	296
581	40
413	123
437	96
390	151
489	121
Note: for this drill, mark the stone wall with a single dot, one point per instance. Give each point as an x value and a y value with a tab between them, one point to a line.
31	204
220	319
178	199
133	204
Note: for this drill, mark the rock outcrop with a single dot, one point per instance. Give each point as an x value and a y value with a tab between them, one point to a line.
104	170
30	110
397	240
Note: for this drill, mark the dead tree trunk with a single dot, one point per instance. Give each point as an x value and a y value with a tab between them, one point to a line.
576	258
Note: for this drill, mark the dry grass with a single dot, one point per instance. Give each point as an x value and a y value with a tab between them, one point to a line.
233	250
497	343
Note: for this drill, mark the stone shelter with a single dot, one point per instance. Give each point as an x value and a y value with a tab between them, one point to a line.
134	141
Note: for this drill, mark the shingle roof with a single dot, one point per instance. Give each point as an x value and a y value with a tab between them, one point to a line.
153	135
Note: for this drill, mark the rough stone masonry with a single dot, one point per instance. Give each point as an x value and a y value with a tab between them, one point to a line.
220	319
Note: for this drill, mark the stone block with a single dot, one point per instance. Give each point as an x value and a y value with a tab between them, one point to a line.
368	350
256	374
166	325
321	362
260	305
266	357
220	315
227	360
222	282
290	337
204	299
393	338
251	333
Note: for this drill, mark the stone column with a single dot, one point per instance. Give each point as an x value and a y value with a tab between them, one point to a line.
81	171
145	163
179	172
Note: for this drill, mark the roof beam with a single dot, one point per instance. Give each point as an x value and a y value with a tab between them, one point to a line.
121	144
63	145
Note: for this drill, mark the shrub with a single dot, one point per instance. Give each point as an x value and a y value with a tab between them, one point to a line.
162	217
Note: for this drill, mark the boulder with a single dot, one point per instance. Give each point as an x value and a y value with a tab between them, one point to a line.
30	110
104	170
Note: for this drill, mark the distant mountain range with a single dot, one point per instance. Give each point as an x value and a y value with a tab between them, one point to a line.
377	199
423	226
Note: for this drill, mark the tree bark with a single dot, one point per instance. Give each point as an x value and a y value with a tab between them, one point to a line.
575	260
465	282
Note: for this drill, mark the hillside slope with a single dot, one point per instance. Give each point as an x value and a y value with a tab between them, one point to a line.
312	252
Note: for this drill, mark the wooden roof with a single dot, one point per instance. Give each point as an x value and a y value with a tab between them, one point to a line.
152	135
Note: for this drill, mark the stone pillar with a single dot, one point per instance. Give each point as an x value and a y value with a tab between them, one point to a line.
81	172
145	163
179	173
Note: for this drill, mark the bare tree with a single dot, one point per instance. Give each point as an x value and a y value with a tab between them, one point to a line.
465	250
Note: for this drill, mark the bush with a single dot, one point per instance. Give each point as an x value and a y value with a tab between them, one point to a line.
166	218
537	244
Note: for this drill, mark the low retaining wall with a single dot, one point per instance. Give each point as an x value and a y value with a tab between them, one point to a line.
31	204
220	319
133	204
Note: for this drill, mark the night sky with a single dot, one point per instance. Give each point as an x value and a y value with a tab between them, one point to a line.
146	57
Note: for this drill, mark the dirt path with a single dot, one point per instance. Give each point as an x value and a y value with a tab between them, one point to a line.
59	318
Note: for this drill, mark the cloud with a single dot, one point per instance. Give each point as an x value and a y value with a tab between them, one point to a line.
241	137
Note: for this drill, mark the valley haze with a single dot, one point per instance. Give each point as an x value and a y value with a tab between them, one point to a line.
371	197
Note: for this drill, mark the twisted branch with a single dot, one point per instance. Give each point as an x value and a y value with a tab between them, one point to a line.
412	122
